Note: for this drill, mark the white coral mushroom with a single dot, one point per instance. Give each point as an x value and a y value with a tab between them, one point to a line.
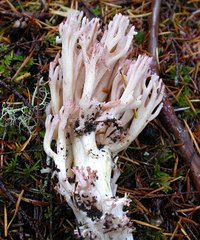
100	102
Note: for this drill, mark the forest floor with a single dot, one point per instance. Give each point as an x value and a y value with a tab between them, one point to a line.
165	195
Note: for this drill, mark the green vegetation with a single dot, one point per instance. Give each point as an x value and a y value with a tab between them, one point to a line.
140	37
11	62
161	179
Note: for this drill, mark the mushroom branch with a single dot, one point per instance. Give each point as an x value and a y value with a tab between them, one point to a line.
100	102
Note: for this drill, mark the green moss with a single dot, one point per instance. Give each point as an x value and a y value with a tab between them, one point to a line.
10	63
96	11
184	76
140	37
49	41
161	179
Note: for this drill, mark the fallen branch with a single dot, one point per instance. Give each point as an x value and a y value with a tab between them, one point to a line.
167	115
18	15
